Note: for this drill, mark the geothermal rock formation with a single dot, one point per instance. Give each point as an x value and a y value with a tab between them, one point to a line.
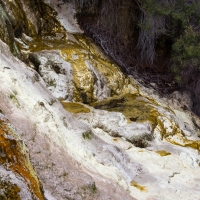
73	126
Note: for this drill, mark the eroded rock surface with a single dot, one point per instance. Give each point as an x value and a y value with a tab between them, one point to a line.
61	148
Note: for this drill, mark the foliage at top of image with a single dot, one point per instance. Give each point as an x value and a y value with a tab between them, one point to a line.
167	19
126	29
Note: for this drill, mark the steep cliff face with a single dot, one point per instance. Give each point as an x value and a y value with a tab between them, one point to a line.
92	132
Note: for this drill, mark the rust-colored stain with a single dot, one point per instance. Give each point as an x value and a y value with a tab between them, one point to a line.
14	157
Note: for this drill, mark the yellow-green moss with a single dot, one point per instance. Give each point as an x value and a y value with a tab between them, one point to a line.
140	109
139	187
163	153
83	77
184	142
133	108
193	144
181	139
75	107
116	80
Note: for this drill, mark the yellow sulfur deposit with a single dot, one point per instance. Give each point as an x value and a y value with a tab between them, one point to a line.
139	187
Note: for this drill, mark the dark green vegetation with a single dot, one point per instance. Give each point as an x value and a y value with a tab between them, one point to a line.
159	39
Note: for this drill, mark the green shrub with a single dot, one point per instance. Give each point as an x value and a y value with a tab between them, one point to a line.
87	135
186	53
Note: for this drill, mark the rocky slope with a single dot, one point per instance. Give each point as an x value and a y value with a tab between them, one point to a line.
92	133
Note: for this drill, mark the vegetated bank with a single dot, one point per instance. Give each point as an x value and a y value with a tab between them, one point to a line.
158	39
